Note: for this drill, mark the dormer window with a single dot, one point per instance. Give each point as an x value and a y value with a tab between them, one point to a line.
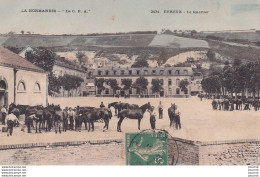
107	73
154	71
114	72
145	72
169	72
122	72
137	72
177	72
161	72
130	72
185	72
99	73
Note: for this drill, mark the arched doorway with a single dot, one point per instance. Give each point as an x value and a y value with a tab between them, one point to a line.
3	93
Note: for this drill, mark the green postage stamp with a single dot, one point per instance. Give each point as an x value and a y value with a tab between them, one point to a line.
146	148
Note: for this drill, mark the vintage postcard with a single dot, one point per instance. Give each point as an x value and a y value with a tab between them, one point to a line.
120	82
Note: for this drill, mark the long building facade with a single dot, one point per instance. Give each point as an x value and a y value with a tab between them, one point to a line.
21	82
169	79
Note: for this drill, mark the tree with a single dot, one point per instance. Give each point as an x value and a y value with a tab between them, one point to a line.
114	85
22	31
211	84
183	85
156	86
193	32
76	80
141	61
211	55
141	83
66	82
127	84
45	59
82	58
99	83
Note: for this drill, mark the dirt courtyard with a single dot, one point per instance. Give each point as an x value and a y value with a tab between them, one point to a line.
199	122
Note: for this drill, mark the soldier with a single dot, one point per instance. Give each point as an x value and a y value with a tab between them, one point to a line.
102	105
77	119
4	112
29	122
71	114
65	119
11	120
152	117
160	110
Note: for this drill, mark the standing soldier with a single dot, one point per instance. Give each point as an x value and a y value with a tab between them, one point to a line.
152	117
102	105
71	117
77	119
4	112
65	119
11	121
160	110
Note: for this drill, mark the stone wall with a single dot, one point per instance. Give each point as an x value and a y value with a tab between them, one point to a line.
111	152
236	152
107	152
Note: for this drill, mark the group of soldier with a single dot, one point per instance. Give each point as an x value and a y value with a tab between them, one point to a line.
231	104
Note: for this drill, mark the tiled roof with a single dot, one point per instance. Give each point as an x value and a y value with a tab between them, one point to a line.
154	71
10	59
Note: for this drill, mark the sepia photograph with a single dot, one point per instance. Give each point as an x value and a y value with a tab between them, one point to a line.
119	83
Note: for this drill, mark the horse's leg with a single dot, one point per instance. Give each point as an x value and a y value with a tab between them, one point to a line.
107	123
139	121
40	123
92	124
119	124
36	125
89	126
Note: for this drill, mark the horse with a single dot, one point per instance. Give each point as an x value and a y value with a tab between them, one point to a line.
99	113
115	106
132	114
171	113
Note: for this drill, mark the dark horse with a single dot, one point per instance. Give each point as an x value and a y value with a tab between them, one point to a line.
132	114
171	113
99	113
115	106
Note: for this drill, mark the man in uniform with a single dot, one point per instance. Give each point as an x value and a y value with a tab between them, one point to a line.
71	114
152	117
160	110
11	121
4	112
102	105
65	119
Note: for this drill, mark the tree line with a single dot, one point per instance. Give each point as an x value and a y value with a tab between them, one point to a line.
141	83
237	79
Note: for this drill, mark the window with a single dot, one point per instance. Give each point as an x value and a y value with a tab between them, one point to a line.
169	82
185	72
177	72
99	73
177	82
137	72
169	72
177	91
161	72
37	87
161	81
107	73
154	71
21	86
145	72
122	72
114	72
130	72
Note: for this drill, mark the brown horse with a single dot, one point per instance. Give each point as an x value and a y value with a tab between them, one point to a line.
99	113
132	114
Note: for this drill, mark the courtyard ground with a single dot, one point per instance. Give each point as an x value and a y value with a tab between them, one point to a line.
199	122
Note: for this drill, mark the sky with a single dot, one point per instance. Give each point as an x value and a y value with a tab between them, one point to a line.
109	16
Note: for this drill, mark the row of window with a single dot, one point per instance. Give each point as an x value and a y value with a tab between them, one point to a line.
138	72
21	87
178	91
161	81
